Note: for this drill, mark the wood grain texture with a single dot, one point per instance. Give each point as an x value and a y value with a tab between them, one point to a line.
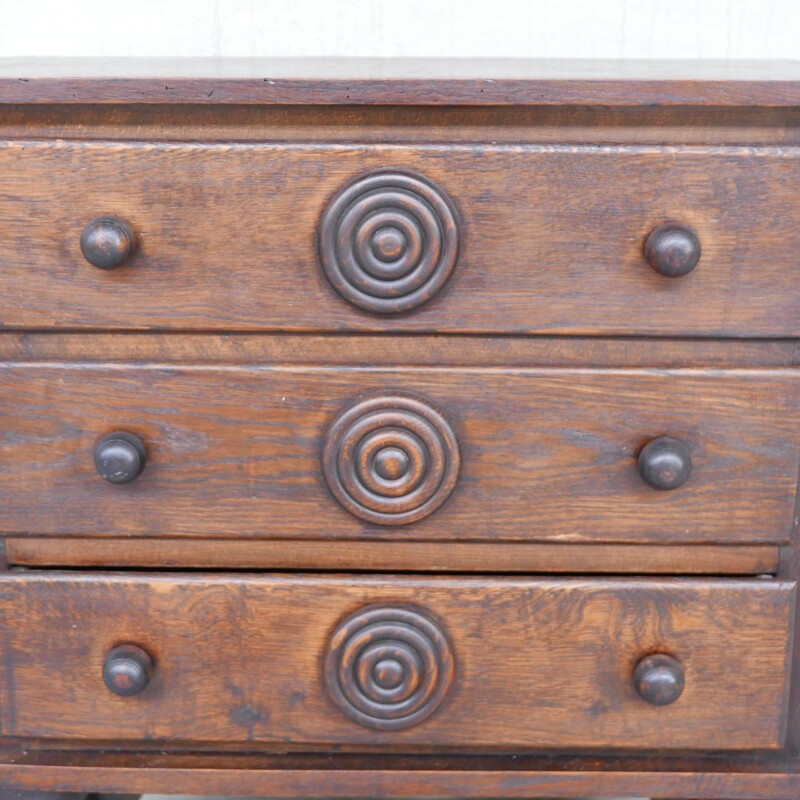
236	662
356	81
552	238
380	556
546	455
387	349
343	775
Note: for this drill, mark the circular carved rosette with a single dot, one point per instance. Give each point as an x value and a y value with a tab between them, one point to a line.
391	459
388	241
389	667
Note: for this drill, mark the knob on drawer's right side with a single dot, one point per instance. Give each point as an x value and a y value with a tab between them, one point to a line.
659	679
665	463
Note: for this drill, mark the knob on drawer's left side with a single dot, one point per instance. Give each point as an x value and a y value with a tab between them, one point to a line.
120	457
108	242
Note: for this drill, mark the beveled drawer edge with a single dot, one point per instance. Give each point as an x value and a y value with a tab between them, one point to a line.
414	350
347	776
402	556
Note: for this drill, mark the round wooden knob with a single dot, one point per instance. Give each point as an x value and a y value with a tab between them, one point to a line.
127	670
120	457
107	242
665	463
672	250
659	679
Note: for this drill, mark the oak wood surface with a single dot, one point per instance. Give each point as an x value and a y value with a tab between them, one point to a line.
538	663
659	125
381	556
440	81
546	454
552	237
586	159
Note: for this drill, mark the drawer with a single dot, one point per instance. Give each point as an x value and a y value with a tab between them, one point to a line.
366	661
280	452
470	238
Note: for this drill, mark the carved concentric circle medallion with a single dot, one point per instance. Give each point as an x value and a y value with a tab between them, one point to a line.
391	459
388	667
388	241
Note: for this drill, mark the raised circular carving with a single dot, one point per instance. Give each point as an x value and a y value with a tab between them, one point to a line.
389	667
388	241
392	458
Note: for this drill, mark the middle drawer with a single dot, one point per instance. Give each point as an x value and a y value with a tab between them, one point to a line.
424	454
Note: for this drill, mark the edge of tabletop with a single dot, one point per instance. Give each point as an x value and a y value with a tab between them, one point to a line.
408	81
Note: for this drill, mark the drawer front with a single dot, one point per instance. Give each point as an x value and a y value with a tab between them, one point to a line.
397	661
474	238
422	454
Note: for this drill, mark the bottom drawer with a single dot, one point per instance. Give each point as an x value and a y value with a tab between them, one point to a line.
384	661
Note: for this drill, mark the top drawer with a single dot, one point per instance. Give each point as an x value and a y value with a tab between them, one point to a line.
507	239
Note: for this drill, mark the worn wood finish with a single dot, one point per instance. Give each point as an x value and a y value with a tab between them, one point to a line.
235	661
219	340
552	237
544	454
356	81
382	556
686	125
341	775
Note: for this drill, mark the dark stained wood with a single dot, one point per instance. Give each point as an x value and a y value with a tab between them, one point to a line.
224	346
401	556
313	776
546	455
789	565
239	659
552	238
484	82
387	349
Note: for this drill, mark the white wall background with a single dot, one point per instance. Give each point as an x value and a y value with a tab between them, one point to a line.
713	29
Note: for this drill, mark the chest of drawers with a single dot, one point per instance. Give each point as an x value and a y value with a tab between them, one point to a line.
399	429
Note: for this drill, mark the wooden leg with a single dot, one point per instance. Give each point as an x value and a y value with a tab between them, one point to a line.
102	796
19	794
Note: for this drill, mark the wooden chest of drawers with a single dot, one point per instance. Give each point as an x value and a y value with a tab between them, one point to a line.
367	433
